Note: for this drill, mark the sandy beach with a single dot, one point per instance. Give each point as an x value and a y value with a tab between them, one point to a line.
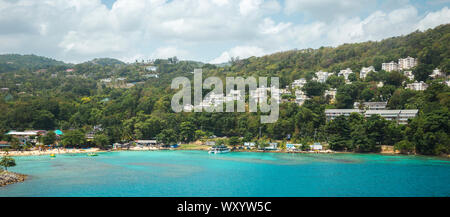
48	152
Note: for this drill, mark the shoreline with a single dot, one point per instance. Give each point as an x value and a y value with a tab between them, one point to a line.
97	150
49	151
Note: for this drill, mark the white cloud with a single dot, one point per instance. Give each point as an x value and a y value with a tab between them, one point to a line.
240	51
170	51
249	6
434	19
78	30
327	9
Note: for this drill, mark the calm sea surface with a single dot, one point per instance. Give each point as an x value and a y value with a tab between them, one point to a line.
196	173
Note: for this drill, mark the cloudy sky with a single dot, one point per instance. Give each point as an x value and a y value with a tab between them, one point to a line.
209	31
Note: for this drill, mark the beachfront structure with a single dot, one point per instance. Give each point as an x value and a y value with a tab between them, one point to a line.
400	116
26	136
272	147
370	105
298	83
409	75
321	76
290	146
345	72
436	73
249	144
407	63
300	97
5	144
146	142
418	86
365	70
388	67
23	133
316	146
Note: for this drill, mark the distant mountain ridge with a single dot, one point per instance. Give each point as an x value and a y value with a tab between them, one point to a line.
431	47
10	62
106	61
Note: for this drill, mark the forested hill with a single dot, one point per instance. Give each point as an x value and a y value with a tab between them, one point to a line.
14	62
432	48
106	61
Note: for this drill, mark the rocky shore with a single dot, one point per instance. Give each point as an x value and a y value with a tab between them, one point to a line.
7	178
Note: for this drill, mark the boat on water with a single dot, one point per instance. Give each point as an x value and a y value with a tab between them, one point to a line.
219	149
92	154
52	155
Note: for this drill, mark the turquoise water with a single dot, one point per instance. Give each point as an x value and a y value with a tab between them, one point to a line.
196	173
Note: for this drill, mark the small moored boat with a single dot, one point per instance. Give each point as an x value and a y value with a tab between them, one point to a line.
92	154
52	155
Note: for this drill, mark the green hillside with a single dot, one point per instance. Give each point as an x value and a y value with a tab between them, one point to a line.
11	62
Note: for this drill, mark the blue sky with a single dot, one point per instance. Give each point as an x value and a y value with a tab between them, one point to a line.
209	31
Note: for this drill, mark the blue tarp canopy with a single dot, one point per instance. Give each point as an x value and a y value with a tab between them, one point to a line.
58	132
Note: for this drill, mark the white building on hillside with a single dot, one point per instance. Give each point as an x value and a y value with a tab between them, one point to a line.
419	86
400	116
346	72
436	73
407	63
233	95
388	67
321	76
365	71
300	97
298	83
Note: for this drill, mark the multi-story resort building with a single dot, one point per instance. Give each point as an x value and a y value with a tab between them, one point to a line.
299	83
419	86
407	63
370	105
400	116
365	70
345	72
331	114
389	67
321	76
